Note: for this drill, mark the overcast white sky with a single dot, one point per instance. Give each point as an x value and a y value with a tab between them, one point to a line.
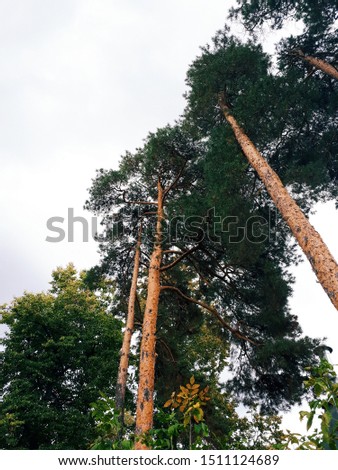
82	81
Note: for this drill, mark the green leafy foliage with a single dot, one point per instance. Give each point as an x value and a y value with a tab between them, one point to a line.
109	432
256	431
60	351
186	422
190	401
166	433
322	383
323	408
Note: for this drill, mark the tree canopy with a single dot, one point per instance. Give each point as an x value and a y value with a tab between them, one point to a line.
196	255
60	351
224	278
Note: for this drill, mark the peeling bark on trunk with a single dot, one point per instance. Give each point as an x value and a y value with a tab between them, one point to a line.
318	63
145	396
320	258
125	350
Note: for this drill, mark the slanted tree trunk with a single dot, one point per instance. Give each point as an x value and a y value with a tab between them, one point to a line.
317	63
125	350
320	258
145	395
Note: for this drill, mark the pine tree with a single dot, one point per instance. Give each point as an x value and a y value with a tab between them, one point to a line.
240	73
209	280
122	376
316	45
320	258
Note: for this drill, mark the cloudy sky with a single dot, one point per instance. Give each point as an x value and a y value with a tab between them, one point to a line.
82	81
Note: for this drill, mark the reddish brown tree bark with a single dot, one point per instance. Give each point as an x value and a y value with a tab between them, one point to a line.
320	258
125	350
145	400
317	63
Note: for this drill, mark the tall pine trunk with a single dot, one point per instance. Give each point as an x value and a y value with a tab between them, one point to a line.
145	395
320	258
318	63
125	350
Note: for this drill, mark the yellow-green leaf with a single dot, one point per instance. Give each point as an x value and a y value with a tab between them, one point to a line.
196	419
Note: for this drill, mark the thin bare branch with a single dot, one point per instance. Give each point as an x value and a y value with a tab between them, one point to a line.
147	203
174	183
161	340
177	260
198	271
145	254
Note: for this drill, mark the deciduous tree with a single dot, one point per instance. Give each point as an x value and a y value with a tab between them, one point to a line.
61	350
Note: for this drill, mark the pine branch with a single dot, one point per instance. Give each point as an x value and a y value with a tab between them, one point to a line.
174	183
161	340
177	260
148	203
210	309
